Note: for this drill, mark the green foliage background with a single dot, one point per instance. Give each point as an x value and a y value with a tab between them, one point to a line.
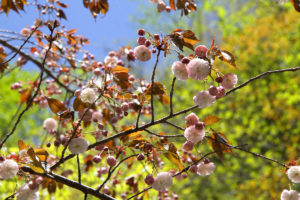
264	115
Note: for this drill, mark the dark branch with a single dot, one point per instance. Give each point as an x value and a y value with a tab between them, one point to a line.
152	85
35	94
37	63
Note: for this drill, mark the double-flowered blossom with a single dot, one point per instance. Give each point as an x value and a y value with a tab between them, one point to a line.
88	95
162	181
294	174
142	53
193	134
229	81
180	71
50	124
198	69
290	195
25	193
205	169
78	145
8	169
203	99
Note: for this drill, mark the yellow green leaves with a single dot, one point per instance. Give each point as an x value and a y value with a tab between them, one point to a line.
210	119
171	154
38	157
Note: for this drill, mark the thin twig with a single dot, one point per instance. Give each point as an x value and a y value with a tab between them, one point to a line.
174	125
111	170
79	172
166	136
260	76
152	85
35	94
73	184
16	52
171	96
166	118
37	63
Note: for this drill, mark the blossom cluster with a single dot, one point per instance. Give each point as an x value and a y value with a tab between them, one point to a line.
293	174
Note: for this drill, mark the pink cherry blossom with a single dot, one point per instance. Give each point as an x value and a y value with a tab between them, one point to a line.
193	134
198	69
142	53
203	99
229	81
180	71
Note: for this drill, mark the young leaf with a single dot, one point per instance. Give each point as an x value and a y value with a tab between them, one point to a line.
41	153
172	155
183	38
56	106
158	89
210	119
22	145
219	143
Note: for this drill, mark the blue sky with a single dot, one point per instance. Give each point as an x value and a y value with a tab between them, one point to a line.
105	33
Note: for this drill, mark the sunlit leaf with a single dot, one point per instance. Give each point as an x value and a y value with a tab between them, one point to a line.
172	155
158	89
219	143
210	119
22	145
56	106
41	153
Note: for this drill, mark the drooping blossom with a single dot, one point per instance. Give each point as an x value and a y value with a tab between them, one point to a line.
229	81
142	53
193	134
78	145
290	195
50	124
25	193
191	119
88	95
8	169
203	99
293	174
198	69
162	181
205	169
180	71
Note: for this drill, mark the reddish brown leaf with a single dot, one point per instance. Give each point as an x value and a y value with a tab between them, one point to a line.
62	4
183	38
172	4
158	89
210	119
88	162
219	143
22	145
56	106
118	69
41	153
72	31
25	96
296	4
61	14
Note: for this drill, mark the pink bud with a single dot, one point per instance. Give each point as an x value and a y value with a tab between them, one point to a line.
111	161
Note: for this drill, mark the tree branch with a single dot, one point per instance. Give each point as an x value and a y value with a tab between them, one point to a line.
73	184
35	94
16	52
37	63
152	84
171	116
